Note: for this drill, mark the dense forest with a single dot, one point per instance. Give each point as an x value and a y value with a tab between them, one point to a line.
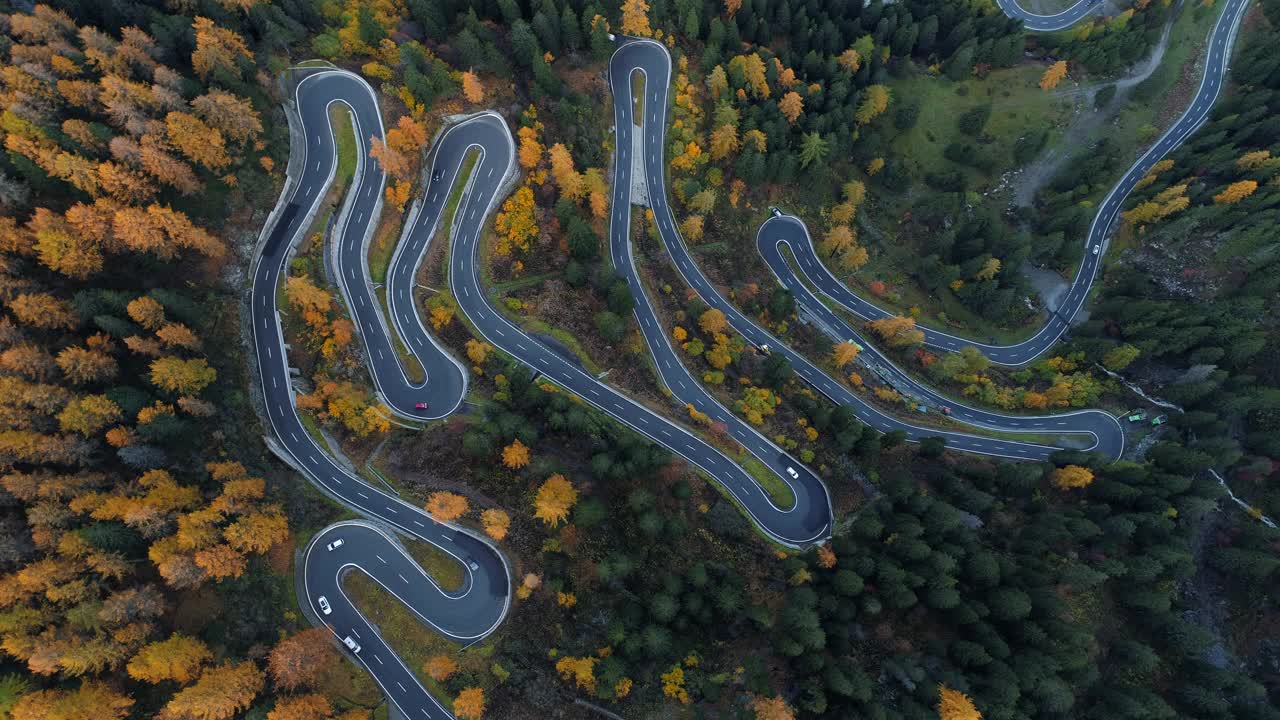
146	544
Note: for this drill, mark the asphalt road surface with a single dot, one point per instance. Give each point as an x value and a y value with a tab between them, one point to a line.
1049	23
480	605
806	522
790	234
1103	432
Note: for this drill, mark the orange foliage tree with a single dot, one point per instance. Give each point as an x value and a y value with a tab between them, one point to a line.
555	499
955	705
446	506
1070	477
515	455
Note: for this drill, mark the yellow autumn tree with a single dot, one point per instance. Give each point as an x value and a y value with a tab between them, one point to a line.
1255	160
579	670
515	455
446	506
875	101
567	178
1051	77
1235	192
217	48
844	353
555	499
850	60
897	331
1070	477
791	105
955	705
988	269
530	148
712	321
440	667
469	704
635	18
495	522
875	166
692	228
724	141
516	224
472	88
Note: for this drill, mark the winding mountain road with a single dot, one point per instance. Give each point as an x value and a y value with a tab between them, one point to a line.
651	60
479	606
791	234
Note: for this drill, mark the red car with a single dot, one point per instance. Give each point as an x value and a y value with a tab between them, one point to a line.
420	406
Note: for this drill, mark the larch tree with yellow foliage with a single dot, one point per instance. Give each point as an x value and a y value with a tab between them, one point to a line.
472	88
1054	75
844	353
1235	192
446	506
875	100
955	705
469	704
567	178
792	106
897	331
515	455
1071	477
555	498
495	522
516	224
635	18
774	708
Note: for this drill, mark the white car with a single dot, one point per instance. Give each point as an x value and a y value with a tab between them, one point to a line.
351	644
792	472
1096	248
473	565
334	545
323	602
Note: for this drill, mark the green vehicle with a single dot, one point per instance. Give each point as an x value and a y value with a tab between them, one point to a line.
1137	416
1160	420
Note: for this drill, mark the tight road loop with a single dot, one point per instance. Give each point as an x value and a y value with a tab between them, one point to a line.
790	232
476	609
652	61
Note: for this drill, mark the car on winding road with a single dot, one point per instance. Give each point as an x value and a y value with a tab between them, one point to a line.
334	545
352	645
323	602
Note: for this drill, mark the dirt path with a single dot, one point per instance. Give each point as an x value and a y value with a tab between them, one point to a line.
1087	121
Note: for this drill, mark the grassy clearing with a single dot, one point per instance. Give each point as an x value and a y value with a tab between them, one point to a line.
442	567
1018	106
637	98
415	641
779	492
348	150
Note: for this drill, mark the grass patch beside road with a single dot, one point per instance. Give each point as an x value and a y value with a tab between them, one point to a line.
778	490
637	98
441	566
415	641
